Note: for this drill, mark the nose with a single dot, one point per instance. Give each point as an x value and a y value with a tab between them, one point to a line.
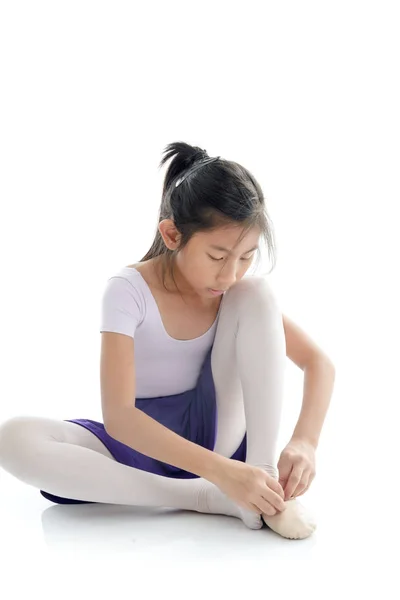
230	271
225	284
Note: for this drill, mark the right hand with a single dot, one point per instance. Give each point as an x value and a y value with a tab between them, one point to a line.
251	487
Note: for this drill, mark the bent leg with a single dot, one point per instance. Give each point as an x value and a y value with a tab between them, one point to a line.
249	384
248	363
247	360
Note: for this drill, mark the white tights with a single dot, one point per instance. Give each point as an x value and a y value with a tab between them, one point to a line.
247	361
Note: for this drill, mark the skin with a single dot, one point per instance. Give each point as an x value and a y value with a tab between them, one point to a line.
195	270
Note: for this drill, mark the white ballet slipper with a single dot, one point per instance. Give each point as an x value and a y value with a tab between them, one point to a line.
295	522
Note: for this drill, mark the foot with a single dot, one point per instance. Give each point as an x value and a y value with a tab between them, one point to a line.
212	500
295	522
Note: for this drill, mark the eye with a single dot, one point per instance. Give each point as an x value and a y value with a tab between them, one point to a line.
212	258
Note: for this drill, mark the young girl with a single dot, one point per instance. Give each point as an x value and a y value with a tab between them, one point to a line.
192	368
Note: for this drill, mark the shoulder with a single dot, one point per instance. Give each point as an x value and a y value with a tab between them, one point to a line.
124	286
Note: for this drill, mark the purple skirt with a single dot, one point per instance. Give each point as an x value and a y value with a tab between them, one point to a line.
191	414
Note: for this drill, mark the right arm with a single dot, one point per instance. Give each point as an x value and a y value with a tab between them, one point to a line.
134	428
131	426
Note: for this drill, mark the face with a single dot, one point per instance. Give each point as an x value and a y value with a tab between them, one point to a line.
201	266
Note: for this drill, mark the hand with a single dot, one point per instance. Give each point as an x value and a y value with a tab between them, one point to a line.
296	467
250	487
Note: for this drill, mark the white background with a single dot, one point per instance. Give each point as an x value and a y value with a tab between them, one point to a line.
306	96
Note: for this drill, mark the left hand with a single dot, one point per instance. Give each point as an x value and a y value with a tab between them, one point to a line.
296	467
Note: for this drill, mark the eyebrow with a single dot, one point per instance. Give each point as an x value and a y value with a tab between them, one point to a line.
227	249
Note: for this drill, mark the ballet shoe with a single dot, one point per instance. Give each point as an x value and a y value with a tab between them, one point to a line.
295	522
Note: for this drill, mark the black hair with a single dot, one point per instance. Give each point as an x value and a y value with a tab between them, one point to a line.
219	194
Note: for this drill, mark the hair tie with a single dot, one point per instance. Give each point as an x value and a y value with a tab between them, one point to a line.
195	167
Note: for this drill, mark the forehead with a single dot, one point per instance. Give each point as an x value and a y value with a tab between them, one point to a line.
227	240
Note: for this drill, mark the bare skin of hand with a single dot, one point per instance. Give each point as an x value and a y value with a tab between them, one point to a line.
251	487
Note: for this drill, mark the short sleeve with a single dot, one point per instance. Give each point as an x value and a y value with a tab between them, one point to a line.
120	307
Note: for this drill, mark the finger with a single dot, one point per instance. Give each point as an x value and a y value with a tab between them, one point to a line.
266	506
275	499
254	508
269	510
283	479
251	507
276	486
302	487
294	479
298	492
295	492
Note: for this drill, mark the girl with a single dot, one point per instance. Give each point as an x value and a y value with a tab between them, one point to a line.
201	351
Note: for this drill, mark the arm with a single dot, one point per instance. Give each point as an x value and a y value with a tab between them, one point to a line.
319	379
134	428
131	426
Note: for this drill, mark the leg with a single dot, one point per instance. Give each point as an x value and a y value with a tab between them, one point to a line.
248	362
67	460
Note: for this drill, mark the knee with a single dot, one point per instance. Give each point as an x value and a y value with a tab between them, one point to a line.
255	291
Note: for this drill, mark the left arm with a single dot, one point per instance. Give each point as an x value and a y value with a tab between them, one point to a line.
296	464
319	377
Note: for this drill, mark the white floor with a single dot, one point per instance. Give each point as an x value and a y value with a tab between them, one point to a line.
99	549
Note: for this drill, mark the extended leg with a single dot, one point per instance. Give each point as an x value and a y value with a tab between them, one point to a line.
67	460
